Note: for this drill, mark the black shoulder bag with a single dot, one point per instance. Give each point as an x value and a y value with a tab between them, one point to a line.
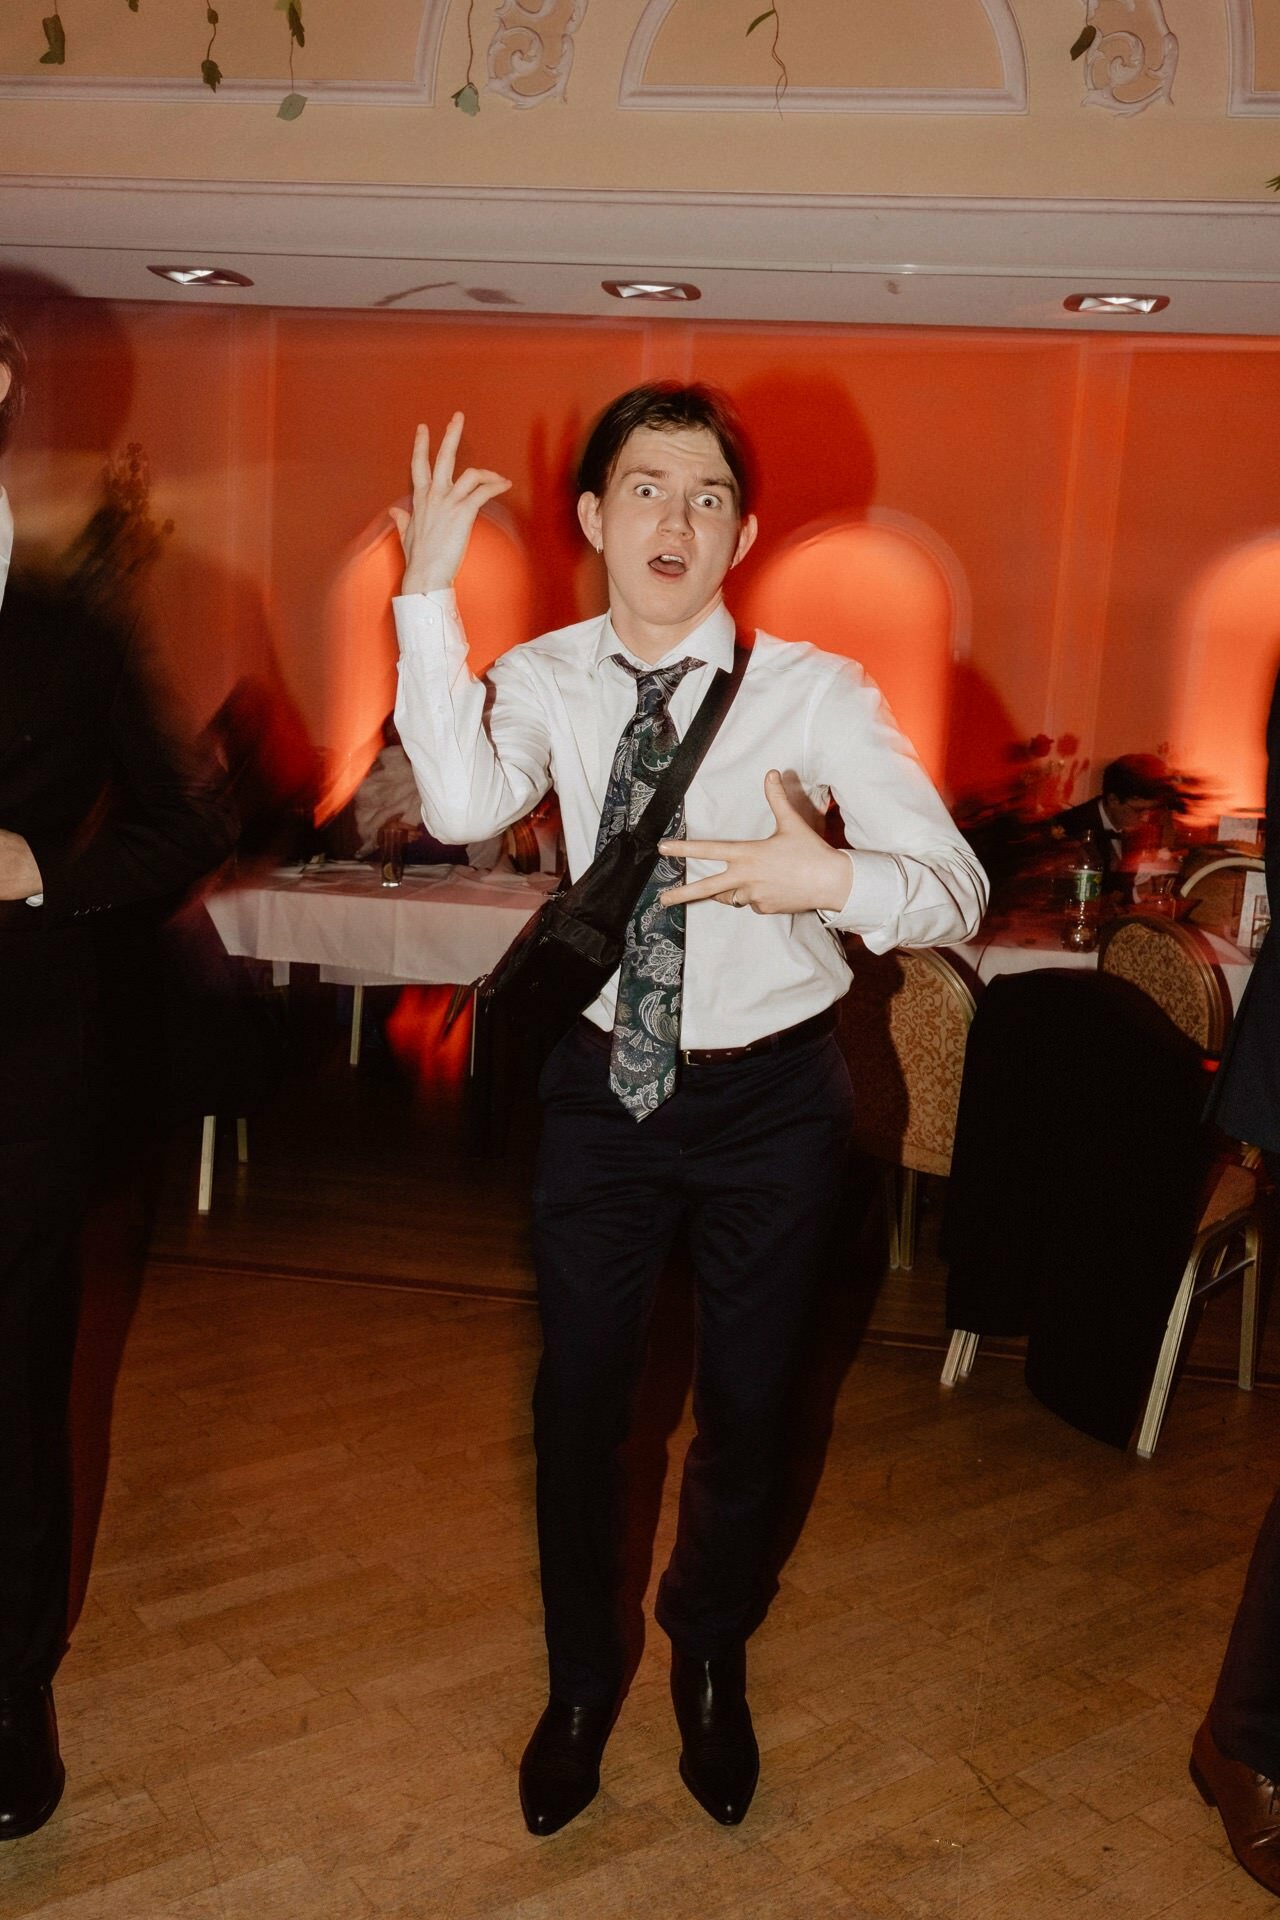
562	957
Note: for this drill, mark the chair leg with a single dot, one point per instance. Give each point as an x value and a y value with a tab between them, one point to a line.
242	1141
1166	1365
1249	1308
960	1356
889	1182
357	1022
907	1220
204	1190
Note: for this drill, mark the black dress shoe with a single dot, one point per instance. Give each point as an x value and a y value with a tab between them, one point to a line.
31	1771
560	1771
719	1761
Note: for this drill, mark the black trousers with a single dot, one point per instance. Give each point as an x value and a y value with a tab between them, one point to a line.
1245	1714
746	1156
47	1086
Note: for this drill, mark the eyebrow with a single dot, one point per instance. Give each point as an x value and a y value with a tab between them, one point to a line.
721	480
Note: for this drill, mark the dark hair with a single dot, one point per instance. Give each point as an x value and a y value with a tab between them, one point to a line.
666	405
1139	776
12	357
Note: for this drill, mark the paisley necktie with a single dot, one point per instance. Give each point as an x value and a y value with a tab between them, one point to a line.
646	1027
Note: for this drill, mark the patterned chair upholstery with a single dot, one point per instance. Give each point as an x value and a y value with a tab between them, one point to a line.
903	1027
1172	965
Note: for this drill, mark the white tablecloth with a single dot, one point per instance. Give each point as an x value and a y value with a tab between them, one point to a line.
1024	947
441	925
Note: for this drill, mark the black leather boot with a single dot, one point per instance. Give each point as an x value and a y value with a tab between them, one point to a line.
719	1759
560	1771
31	1770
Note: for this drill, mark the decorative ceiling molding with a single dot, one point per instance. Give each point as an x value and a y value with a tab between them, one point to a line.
420	91
531	52
1132	61
1244	96
1009	98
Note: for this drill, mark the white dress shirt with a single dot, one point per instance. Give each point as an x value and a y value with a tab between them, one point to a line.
550	715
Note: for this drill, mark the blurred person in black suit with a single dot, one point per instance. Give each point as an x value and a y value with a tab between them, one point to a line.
101	817
1236	1754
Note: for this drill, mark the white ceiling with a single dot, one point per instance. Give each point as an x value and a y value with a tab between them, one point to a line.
843	259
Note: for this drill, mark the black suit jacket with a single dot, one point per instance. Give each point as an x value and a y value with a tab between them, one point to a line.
90	773
120	824
1246	1095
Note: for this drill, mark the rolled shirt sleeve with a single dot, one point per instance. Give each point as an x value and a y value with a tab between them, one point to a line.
916	881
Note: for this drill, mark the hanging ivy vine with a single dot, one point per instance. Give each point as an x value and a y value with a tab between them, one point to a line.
467	98
782	81
55	53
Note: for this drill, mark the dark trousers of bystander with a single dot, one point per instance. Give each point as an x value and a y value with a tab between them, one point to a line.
746	1156
47	1071
1245	1714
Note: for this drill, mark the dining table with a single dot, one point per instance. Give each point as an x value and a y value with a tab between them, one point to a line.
440	925
1024	942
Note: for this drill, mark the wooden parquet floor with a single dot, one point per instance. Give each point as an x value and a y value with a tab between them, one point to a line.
310	1652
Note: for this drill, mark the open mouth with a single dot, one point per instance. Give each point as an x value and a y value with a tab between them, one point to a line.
671	566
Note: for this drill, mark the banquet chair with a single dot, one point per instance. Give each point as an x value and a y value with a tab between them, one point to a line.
1225	1248
1168	965
902	1028
1215	889
1171	965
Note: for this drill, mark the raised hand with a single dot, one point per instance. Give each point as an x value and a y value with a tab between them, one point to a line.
435	533
793	871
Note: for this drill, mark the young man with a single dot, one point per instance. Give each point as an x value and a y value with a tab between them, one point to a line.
703	1089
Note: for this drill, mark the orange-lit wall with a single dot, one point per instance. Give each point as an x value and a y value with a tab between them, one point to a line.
1078	520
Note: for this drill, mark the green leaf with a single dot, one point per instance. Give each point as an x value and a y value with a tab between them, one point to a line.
291	106
57	42
211	74
759	20
1275	184
1087	37
294	17
467	100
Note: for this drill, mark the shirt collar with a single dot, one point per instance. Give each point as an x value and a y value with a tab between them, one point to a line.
1108	823
6	538
712	641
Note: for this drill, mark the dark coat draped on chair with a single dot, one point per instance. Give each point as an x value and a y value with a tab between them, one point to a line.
1079	1166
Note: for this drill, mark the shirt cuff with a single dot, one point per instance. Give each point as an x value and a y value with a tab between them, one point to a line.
875	894
420	616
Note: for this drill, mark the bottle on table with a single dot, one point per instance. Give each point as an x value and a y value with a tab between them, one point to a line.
1084	896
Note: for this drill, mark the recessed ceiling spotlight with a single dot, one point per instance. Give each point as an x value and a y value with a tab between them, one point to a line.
202	276
1116	302
651	290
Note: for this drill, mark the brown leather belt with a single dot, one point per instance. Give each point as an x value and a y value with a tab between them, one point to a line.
811	1029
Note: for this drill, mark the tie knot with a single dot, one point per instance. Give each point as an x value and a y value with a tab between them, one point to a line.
655	688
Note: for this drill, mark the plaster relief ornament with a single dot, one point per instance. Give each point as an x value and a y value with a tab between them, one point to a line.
531	52
1133	57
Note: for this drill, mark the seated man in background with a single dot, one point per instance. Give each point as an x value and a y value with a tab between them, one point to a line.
1131	814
